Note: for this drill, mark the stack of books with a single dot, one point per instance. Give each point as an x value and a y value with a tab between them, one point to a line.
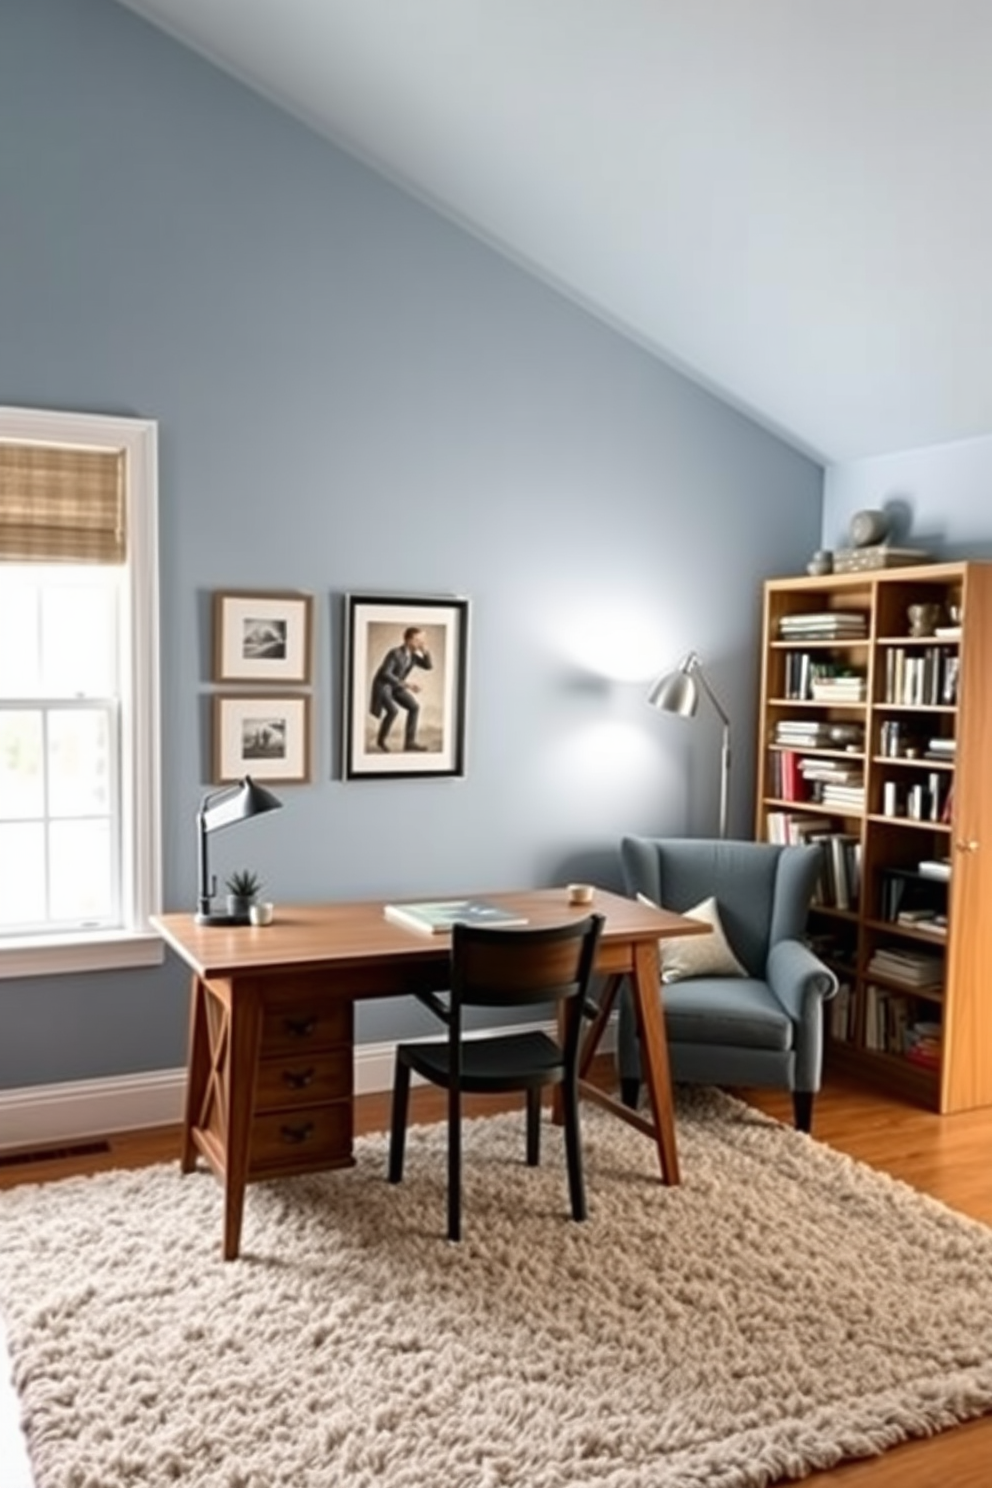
923	1044
824	625
834	784
942	749
832	684
909	968
931	921
802	733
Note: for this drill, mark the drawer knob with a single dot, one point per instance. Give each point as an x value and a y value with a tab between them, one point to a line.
300	1027
298	1079
294	1135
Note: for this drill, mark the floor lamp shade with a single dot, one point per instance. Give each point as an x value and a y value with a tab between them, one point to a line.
223	808
678	692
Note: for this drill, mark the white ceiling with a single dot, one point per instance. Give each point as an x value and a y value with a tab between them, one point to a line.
788	200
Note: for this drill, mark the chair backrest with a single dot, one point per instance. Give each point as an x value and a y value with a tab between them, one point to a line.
763	889
514	967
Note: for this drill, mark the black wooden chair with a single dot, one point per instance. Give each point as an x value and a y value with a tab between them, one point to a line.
501	968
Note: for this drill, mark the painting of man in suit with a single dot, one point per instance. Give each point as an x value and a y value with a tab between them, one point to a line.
405	686
396	689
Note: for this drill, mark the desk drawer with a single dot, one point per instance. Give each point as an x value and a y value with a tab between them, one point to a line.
298	1022
312	1137
304	1077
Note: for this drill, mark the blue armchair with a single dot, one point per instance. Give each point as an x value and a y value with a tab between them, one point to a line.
763	1028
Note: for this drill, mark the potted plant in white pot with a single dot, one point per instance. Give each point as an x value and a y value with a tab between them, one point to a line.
242	891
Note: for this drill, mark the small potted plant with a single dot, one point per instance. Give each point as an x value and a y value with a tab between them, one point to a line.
242	891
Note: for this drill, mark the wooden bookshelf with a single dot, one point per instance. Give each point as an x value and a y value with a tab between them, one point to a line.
870	743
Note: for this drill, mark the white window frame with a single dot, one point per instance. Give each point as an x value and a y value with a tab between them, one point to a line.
137	944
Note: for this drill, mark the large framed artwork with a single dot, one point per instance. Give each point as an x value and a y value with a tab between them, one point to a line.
267	737
262	637
406	672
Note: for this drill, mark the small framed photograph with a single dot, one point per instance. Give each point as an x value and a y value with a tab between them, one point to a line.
262	637
406	670
266	737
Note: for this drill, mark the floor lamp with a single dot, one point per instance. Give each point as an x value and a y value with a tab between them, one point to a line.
222	809
678	692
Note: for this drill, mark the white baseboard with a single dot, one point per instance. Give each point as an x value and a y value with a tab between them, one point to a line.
48	1115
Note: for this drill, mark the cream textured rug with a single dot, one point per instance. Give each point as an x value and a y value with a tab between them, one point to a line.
782	1308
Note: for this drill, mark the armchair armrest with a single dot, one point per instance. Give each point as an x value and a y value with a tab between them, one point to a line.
802	983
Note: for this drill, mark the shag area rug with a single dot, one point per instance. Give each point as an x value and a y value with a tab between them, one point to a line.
781	1309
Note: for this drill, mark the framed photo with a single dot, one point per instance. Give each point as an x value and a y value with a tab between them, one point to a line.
266	737
406	668
263	637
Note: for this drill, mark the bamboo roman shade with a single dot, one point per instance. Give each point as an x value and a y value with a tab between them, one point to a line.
61	505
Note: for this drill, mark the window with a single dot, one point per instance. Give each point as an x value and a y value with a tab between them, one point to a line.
79	766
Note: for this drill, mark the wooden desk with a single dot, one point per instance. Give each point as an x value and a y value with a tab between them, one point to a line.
270	1075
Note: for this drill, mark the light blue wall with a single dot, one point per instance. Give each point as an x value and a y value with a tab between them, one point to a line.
354	395
940	498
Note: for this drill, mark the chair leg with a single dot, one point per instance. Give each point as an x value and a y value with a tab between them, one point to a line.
630	1090
573	1151
533	1127
397	1138
454	1164
802	1107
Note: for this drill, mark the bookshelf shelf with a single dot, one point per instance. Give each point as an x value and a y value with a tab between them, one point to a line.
912	794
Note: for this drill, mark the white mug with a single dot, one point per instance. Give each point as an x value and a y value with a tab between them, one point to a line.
580	893
261	913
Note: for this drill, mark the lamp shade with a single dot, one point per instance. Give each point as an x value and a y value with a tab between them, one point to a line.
677	692
237	803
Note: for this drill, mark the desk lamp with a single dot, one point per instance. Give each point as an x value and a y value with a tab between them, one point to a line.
678	692
221	809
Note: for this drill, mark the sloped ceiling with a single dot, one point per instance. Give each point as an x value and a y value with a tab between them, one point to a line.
788	200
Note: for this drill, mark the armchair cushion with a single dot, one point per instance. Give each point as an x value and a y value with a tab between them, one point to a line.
685	956
745	1015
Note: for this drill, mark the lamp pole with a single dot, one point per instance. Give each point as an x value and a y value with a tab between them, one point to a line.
725	748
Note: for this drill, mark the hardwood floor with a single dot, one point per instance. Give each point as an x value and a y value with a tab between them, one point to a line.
945	1156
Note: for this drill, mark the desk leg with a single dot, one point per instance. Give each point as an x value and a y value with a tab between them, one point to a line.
590	1042
198	1072
644	984
245	1034
654	1054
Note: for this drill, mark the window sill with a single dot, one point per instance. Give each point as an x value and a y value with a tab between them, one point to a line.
112	951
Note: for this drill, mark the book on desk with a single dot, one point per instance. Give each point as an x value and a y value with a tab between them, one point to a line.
436	917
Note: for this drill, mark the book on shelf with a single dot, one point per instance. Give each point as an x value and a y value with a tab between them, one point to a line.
841	1009
892	1027
786	826
911	968
927	678
923	1044
838	689
932	921
874	556
815	733
826	625
436	917
934	868
839	882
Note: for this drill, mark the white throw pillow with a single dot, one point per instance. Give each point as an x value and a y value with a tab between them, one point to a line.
685	956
